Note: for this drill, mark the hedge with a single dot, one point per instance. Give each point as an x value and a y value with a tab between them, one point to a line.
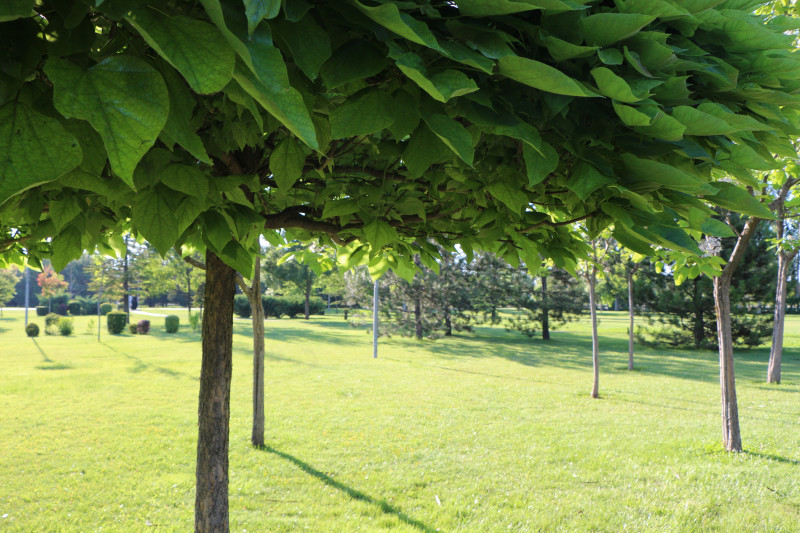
116	320
171	323
278	306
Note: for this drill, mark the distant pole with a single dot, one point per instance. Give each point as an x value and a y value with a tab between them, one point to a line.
375	320
99	297
27	292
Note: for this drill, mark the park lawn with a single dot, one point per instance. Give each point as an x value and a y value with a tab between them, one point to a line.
489	431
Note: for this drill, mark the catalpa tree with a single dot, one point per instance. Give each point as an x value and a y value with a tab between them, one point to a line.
378	127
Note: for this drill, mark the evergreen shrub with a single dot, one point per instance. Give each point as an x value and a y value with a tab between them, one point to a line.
171	323
32	330
115	321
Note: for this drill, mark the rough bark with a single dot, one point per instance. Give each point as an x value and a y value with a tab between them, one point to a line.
211	498
545	311
629	279
776	351
592	278
254	296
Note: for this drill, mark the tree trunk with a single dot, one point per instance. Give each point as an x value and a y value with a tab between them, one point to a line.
776	352
448	322
545	311
629	279
125	285
254	295
189	294
418	319
731	437
308	297
211	498
595	345
699	330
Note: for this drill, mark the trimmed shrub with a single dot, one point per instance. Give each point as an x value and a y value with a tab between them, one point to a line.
61	309
171	323
291	306
143	327
65	326
41	310
132	328
106	308
115	321
32	330
75	308
51	319
241	306
88	306
195	319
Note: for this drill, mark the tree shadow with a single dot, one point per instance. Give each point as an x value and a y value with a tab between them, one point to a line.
140	365
383	505
772	457
47	363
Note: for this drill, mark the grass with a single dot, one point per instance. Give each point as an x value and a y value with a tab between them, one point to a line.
489	431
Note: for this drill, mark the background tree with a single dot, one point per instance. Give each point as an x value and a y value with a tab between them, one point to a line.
9	277
51	283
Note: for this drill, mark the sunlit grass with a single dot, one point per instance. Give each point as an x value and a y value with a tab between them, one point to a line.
488	431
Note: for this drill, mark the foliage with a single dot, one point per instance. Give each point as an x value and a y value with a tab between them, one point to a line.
8	284
51	283
279	306
75	307
171	323
32	330
562	301
41	310
132	328
143	327
55	300
106	308
51	319
65	326
241	306
195	320
115	322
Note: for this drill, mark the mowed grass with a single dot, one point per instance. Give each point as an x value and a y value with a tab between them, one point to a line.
489	431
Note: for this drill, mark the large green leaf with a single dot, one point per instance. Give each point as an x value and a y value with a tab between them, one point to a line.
195	48
442	85
585	179
181	107
366	113
154	216
665	175
189	180
256	10
561	50
122	97
424	149
310	45
15	9
736	199
286	162
539	165
403	24
541	76
614	86
700	123
510	194
453	134
355	60
631	116
603	29
34	149
379	233
485	8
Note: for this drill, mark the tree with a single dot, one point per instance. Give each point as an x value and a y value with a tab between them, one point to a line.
51	284
493	125
8	285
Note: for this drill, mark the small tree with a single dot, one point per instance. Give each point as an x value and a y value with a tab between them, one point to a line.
8	286
51	284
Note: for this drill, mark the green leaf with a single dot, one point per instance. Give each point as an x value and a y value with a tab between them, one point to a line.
339	208
188	180
666	175
424	149
664	127
632	241
368	112
717	228
63	211
379	233
539	165
603	29
153	215
631	116
122	97
68	245
585	179
614	86
34	149
286	162
739	200
238	258
442	85
453	134
403	24
257	10
355	60
216	231
511	195
181	107
194	47
675	238
310	45
486	8
541	76
15	9
700	123
561	50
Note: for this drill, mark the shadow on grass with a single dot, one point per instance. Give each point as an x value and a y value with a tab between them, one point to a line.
384	506
772	457
48	364
140	365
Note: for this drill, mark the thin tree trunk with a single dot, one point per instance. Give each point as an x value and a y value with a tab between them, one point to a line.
545	311
125	285
776	351
448	322
418	318
308	297
731	436
629	279
211	498
189	295
595	345
254	295
699	330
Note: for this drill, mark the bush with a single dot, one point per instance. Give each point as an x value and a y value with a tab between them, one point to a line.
41	310
132	328
65	326
106	308
291	306
241	306
143	327
61	309
32	330
88	306
54	301
171	323
115	321
195	320
90	329
51	319
75	308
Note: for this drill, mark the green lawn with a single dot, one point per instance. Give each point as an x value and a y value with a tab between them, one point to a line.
488	431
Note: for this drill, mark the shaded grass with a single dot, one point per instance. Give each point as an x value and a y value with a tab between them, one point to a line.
484	432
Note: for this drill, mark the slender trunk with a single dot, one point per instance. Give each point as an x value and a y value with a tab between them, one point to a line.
629	279
731	437
448	322
595	344
211	499
699	330
545	311
776	352
254	295
375	319
126	306
308	297
189	294
418	318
